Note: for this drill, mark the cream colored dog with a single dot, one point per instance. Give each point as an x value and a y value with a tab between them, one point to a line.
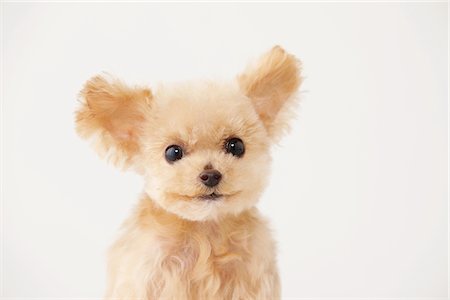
204	151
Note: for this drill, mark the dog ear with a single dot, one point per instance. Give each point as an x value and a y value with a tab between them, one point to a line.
271	85
113	115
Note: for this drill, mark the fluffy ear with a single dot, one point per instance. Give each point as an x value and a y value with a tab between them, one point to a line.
113	115
271	85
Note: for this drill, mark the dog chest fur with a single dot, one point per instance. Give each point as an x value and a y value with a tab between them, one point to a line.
160	256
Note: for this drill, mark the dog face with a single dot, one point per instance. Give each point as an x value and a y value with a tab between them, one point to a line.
203	149
207	152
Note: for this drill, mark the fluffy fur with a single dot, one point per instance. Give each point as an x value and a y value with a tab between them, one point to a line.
176	245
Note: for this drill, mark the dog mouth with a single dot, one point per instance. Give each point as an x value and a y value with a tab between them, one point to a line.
212	196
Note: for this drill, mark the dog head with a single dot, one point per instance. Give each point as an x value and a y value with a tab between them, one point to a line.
203	148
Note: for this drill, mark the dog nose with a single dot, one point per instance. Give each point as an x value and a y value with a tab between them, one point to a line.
210	178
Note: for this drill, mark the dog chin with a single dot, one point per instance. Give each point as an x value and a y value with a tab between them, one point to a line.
185	207
208	208
195	209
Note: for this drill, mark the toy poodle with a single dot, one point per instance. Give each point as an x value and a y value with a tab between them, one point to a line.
203	149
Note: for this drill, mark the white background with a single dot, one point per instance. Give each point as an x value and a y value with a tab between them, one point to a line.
358	197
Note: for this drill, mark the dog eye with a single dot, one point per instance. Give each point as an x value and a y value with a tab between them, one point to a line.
235	146
173	153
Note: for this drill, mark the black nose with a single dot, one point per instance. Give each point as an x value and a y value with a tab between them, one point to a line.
210	177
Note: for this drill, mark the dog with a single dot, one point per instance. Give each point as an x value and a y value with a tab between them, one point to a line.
203	150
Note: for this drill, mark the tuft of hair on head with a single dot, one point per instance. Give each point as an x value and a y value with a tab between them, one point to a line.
112	114
271	85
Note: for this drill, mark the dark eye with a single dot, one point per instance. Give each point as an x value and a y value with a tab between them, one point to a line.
174	153
235	146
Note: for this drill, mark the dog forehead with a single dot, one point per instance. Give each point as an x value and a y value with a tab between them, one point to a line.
202	107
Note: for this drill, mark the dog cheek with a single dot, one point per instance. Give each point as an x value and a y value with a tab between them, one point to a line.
252	173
